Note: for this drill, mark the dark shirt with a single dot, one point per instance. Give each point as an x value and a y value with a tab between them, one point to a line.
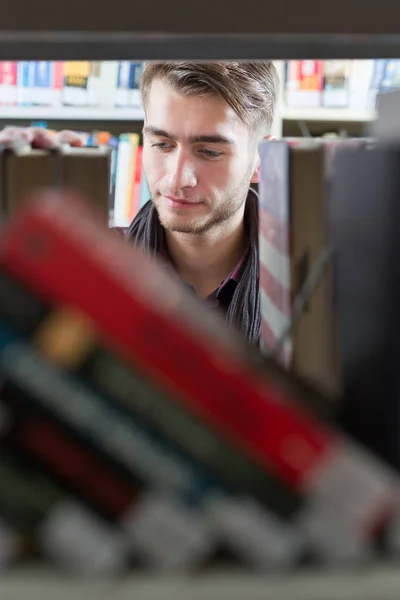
222	296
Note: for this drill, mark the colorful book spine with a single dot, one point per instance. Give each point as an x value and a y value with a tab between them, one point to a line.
136	188
336	83
122	89
144	190
76	76
135	74
57	82
43	84
8	83
25	79
304	83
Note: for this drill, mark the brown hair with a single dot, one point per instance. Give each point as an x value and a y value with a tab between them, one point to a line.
251	89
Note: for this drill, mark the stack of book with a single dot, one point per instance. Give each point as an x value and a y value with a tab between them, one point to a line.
143	431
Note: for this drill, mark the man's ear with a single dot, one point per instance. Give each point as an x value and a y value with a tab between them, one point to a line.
255	178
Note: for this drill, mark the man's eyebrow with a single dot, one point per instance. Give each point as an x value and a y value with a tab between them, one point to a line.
211	139
193	139
158	132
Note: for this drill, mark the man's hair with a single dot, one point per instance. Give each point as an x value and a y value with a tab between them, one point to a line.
250	88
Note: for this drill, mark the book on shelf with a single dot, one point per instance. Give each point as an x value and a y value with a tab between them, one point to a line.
8	83
128	189
351	84
102	84
304	83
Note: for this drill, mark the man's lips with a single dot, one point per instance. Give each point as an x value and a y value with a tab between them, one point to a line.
174	202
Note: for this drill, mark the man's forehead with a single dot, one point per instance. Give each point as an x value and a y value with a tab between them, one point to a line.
188	116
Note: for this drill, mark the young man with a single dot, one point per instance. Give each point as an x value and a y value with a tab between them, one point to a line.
203	124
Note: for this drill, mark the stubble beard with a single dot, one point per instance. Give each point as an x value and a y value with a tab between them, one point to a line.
202	224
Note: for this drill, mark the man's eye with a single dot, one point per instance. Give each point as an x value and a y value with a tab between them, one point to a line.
161	145
212	153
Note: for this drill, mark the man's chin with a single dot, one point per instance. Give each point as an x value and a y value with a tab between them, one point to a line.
182	227
182	224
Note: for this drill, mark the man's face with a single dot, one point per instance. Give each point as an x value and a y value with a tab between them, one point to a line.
198	158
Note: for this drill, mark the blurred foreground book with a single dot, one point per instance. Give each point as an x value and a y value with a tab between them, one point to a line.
161	436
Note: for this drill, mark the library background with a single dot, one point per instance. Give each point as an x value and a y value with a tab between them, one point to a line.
278	537
101	100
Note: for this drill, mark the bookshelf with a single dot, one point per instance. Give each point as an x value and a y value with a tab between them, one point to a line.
68	113
112	100
136	114
333	115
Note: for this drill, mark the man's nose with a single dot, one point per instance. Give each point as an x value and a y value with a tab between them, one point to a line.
182	171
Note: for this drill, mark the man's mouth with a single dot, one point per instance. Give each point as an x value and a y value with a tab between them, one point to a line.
174	202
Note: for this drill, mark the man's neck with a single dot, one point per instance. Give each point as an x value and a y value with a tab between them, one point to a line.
205	260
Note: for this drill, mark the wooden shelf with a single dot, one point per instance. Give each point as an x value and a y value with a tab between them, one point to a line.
333	115
379	582
136	114
70	113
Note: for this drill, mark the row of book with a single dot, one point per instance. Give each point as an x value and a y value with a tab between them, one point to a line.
111	84
352	84
128	186
104	84
129	190
137	430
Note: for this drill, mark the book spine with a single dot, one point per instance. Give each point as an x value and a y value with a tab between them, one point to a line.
122	89
8	85
137	184
57	83
135	74
144	190
76	75
42	94
25	83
